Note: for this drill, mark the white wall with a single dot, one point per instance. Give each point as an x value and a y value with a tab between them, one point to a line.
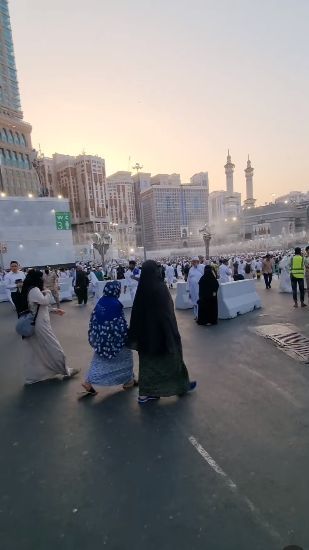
28	228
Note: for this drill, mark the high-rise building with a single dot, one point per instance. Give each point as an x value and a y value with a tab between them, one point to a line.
200	179
17	175
217	211
173	214
82	180
141	182
121	209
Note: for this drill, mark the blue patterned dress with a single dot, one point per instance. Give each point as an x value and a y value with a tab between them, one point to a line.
112	362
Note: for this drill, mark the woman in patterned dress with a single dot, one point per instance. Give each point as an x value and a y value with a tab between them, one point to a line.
112	362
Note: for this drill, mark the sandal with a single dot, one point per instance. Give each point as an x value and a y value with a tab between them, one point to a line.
89	391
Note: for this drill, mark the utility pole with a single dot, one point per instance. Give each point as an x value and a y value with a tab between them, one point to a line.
138	167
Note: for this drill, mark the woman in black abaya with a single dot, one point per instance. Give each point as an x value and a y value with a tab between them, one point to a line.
154	334
208	301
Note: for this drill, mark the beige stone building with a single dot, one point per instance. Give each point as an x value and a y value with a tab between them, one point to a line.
122	212
173	213
81	180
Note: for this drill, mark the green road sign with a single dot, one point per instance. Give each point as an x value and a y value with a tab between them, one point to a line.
63	220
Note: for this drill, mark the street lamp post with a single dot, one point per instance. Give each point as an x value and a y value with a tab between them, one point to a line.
37	163
206	234
102	242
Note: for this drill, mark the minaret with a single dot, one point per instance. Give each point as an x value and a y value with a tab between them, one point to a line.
250	201
229	171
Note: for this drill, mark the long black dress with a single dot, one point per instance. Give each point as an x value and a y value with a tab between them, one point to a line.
154	334
208	300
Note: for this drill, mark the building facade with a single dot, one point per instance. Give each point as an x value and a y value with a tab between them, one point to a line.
173	214
17	175
141	182
293	197
274	220
81	180
122	212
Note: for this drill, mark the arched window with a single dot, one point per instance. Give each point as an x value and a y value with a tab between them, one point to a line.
5	135
16	138
11	138
21	160
23	140
9	157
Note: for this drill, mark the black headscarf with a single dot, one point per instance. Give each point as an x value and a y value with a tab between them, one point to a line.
34	278
153	328
208	284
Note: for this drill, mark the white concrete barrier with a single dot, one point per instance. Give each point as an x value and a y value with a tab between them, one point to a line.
66	291
5	295
237	298
182	297
125	298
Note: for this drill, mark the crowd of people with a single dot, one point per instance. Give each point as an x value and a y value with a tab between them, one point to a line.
153	330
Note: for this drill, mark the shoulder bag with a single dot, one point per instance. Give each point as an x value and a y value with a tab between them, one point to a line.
25	325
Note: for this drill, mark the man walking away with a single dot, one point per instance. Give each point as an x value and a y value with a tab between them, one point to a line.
297	277
193	280
81	286
51	283
267	268
170	274
132	276
306	260
13	282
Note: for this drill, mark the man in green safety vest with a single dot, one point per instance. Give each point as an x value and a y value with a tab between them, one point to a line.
297	277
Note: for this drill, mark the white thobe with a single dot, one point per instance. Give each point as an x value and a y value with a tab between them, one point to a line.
193	280
170	274
131	283
224	274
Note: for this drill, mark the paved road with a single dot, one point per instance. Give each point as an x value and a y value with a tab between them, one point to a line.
225	468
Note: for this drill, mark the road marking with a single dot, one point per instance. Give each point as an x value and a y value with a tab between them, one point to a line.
275	386
233	487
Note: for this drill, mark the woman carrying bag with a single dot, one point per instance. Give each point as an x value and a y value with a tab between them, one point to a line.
43	355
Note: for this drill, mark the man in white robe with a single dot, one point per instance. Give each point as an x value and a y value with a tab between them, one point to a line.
193	280
170	274
132	276
225	272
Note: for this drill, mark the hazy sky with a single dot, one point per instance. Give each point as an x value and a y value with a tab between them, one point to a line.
172	84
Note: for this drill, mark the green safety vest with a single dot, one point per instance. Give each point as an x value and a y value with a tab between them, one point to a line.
297	267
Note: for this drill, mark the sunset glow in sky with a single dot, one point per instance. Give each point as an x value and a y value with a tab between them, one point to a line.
172	84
